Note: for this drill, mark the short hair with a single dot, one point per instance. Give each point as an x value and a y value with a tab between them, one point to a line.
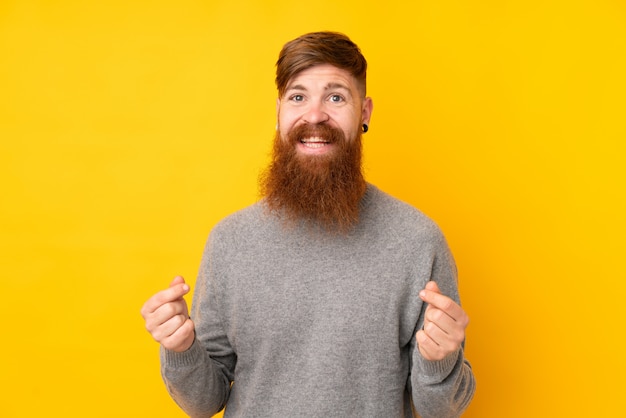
318	48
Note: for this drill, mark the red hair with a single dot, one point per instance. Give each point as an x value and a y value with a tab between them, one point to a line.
318	48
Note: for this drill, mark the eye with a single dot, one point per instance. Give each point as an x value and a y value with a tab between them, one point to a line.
336	98
296	98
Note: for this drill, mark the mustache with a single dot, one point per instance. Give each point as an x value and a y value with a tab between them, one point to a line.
321	130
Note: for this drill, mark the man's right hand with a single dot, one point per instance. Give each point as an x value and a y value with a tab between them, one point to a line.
167	317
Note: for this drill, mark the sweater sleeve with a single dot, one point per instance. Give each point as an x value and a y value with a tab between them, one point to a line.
195	382
441	388
199	379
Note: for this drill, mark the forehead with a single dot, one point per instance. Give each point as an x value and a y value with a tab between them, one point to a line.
323	76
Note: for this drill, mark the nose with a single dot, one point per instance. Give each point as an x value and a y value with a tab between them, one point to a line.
316	113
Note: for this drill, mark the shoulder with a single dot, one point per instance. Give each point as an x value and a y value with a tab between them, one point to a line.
240	218
401	217
239	224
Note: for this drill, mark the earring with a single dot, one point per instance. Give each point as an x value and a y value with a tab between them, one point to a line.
365	128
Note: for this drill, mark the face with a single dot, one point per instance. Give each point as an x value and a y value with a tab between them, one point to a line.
323	94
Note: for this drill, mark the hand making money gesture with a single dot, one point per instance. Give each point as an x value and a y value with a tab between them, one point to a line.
444	324
167	317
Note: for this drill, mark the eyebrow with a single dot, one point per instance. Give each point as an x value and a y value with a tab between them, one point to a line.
329	86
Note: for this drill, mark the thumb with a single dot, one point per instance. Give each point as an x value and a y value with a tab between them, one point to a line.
177	280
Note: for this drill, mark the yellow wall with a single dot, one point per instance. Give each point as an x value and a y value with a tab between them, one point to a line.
128	128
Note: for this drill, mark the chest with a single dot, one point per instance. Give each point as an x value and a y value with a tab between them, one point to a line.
328	295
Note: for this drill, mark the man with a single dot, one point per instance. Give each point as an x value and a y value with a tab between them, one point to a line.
328	297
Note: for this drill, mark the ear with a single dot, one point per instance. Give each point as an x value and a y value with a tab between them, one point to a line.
368	108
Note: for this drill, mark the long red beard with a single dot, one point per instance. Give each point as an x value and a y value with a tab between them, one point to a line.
321	190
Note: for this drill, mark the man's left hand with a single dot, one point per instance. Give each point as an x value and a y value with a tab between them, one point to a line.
444	324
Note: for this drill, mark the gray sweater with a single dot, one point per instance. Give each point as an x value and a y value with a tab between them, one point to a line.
293	323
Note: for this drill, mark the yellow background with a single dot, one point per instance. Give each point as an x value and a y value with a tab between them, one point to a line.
129	128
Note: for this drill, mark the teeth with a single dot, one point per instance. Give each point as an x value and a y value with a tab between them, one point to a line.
313	139
314	142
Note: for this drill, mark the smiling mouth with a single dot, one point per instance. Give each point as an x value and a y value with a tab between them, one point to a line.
314	142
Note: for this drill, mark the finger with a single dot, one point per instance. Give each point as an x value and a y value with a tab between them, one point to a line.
169	327
436	333
444	330
167	311
177	280
427	347
448	340
439	318
442	302
433	350
432	286
176	291
182	338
